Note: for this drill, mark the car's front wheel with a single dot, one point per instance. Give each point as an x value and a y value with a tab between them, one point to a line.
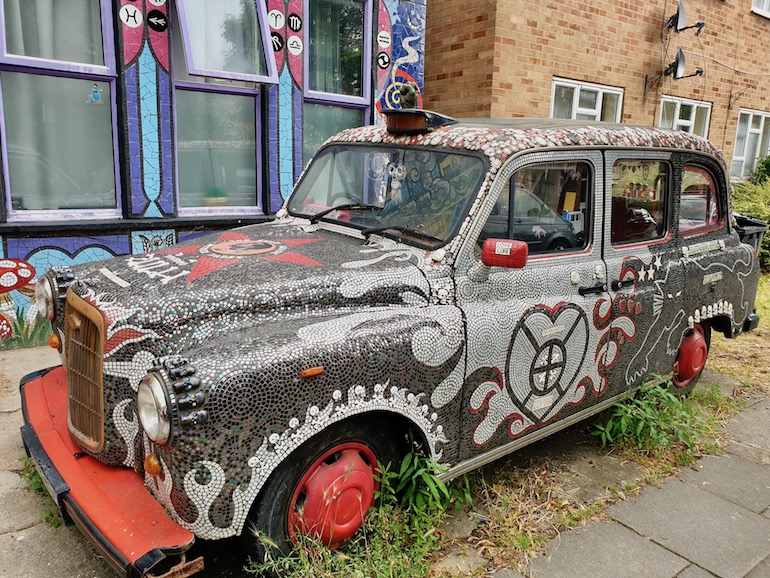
325	488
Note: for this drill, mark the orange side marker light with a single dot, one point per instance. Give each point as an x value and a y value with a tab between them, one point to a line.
311	372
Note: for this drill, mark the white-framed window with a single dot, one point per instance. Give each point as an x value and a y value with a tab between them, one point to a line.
684	114
761	7
57	92
752	142
584	101
221	54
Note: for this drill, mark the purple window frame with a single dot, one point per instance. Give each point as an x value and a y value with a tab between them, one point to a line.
64	69
223	211
319	97
267	49
108	44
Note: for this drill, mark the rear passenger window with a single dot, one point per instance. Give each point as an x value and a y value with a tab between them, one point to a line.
639	197
546	206
699	203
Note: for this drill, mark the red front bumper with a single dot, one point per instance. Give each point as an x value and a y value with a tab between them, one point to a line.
110	505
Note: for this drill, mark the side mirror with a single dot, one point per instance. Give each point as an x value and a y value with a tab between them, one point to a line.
504	253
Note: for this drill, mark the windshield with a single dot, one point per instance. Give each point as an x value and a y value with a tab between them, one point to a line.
418	195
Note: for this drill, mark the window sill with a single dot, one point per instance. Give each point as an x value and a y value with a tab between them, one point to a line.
116	226
760	12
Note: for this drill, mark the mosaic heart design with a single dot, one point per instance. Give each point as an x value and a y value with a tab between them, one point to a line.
547	351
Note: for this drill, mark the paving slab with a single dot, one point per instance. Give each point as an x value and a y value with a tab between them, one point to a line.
42	551
694	571
16	363
733	478
28	509
749	434
605	550
717	535
761	570
11	447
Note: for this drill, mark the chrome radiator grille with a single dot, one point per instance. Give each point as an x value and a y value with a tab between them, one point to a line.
83	348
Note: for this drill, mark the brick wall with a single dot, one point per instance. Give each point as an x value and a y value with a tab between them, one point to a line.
499	58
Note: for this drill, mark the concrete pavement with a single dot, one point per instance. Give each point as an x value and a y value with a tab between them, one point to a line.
711	520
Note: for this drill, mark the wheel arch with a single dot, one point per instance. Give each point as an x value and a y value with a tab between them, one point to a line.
405	431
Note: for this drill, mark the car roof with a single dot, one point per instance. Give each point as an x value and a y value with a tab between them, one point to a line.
501	138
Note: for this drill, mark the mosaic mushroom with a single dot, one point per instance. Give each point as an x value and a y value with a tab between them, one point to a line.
5	328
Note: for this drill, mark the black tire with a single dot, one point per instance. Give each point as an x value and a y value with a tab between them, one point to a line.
559	245
684	385
271	515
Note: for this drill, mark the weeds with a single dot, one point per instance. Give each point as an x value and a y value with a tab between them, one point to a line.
36	486
399	538
659	424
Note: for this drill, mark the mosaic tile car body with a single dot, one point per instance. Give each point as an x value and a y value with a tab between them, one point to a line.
264	337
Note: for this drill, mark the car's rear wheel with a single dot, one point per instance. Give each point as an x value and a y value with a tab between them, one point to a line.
691	359
325	488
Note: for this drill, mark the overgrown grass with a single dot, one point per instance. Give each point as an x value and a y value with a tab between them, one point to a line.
36	486
662	430
655	422
745	358
400	537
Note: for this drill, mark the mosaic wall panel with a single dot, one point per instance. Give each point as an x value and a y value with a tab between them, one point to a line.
23	260
148	162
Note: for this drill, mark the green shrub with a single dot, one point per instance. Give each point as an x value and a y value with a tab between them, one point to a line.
762	171
754	199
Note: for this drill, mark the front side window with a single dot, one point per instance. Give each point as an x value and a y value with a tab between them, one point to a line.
687	115
639	201
550	207
752	142
699	201
419	196
583	101
58	129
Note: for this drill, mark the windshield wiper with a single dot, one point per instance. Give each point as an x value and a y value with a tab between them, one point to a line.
347	207
403	230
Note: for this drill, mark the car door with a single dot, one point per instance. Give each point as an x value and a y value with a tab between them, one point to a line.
532	343
645	269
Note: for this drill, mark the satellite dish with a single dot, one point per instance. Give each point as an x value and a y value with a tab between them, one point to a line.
679	64
677	21
676	68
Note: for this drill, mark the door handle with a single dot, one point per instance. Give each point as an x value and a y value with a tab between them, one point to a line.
619	284
601	288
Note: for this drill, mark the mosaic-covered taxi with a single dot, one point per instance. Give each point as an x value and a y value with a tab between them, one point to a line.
477	285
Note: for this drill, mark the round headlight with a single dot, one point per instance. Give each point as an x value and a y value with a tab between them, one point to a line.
44	301
152	404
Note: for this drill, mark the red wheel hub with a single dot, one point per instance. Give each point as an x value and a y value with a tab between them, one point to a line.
692	357
333	497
